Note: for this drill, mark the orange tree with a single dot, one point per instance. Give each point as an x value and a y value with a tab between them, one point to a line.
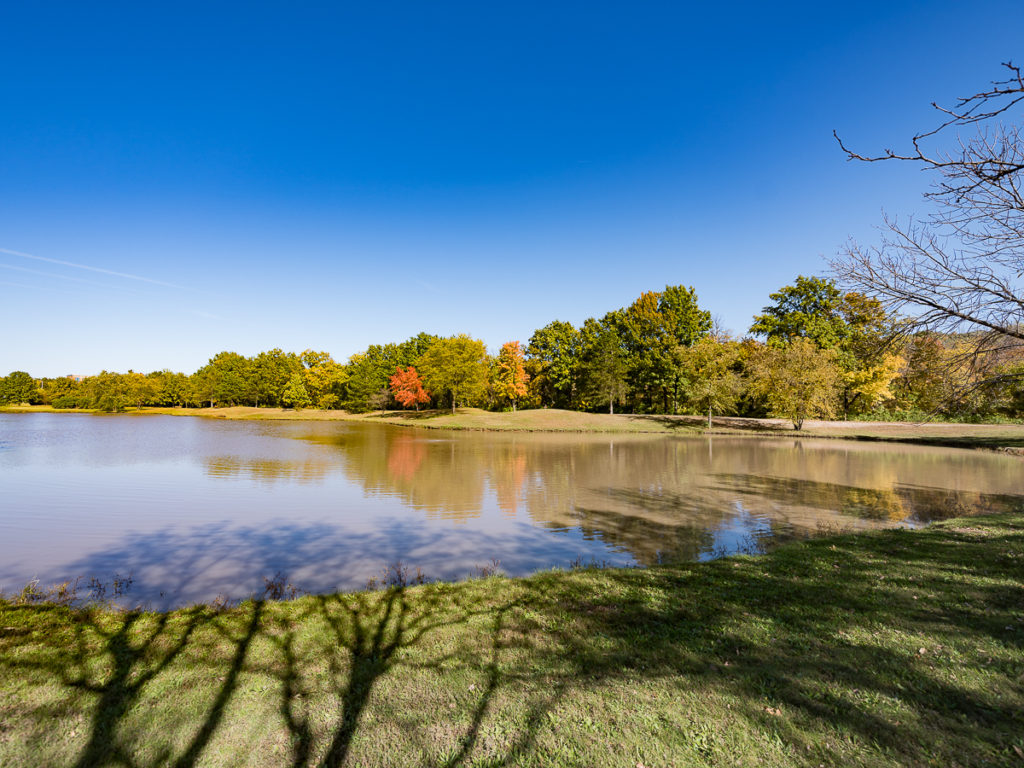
510	375
407	388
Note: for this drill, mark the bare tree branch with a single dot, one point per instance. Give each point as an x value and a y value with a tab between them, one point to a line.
961	270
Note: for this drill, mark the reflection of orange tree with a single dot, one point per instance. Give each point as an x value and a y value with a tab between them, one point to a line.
507	476
405	455
443	476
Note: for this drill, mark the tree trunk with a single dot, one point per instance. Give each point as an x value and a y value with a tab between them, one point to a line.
709	417
611	406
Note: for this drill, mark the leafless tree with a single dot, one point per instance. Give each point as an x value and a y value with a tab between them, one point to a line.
961	269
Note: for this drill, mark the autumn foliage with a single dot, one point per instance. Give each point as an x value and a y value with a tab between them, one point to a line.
407	388
510	375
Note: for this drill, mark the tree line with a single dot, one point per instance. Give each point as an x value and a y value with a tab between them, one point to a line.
814	351
929	322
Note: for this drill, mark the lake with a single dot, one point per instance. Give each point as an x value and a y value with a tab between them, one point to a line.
193	508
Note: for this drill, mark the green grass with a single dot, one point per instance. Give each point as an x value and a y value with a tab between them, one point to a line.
884	648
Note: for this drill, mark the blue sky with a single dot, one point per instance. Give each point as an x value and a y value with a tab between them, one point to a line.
191	178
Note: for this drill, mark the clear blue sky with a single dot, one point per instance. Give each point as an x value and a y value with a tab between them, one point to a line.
288	175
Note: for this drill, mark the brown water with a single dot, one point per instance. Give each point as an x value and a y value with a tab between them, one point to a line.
193	508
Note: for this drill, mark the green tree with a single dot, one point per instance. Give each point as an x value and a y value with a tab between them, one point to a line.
170	389
140	389
712	383
365	375
62	389
271	372
295	394
18	387
811	308
653	329
604	364
856	328
798	381
109	391
557	349
458	366
226	379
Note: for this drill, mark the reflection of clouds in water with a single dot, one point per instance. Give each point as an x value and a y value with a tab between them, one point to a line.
172	567
744	533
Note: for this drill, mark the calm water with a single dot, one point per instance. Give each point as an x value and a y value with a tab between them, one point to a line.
193	508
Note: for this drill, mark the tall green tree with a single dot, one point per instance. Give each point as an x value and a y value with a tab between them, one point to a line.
557	348
653	329
271	372
171	389
604	364
366	373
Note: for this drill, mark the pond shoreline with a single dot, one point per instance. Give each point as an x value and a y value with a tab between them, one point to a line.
1003	438
884	647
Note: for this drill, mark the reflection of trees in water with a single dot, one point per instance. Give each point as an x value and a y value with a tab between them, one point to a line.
895	504
508	481
268	470
658	497
404	458
435	475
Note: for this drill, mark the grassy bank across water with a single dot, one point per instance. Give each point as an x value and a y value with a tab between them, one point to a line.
1008	437
886	648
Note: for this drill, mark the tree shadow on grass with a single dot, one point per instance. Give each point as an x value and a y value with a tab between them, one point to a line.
410	415
825	653
818	644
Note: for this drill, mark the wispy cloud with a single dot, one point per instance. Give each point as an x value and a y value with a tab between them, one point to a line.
63	277
37	287
125	275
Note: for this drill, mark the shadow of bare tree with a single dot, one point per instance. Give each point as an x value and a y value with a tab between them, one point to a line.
896	648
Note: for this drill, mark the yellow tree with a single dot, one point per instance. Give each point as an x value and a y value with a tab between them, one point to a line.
870	383
322	378
510	377
798	380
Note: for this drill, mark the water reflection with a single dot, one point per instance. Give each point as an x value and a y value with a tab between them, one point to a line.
556	479
268	470
194	508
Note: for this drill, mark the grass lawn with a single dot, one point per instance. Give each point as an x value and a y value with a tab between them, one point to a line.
884	648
